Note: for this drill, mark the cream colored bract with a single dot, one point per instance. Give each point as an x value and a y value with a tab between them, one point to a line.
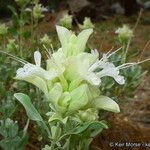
71	80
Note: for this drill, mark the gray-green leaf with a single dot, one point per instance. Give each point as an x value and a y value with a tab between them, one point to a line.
106	103
30	109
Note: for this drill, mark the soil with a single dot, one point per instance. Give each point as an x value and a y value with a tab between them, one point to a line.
130	126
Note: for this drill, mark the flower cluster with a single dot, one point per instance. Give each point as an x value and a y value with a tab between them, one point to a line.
124	33
37	11
87	24
72	78
66	21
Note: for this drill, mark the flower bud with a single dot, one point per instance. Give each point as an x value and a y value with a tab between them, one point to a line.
88	115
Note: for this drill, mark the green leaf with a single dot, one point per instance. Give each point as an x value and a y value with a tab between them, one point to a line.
90	125
13	10
24	139
85	126
47	147
106	103
27	34
30	109
56	132
58	118
9	143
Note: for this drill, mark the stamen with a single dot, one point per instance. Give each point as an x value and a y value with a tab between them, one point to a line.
52	48
48	51
127	65
110	51
113	52
15	57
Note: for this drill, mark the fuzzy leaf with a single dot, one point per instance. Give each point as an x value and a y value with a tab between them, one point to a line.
90	125
106	103
30	109
95	125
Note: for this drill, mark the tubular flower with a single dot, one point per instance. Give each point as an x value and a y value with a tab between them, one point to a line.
72	78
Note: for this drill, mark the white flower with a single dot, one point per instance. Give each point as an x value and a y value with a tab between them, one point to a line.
107	69
44	9
29	70
28	10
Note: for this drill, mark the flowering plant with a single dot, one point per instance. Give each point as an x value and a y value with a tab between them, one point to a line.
133	75
124	34
87	24
66	21
71	84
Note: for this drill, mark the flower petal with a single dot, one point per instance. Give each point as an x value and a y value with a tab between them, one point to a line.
82	39
37	58
64	35
93	79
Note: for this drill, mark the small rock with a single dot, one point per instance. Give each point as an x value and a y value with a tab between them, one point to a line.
116	8
147	5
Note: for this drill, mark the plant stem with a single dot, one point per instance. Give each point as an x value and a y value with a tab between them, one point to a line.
4	42
52	145
38	97
20	33
125	51
32	31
